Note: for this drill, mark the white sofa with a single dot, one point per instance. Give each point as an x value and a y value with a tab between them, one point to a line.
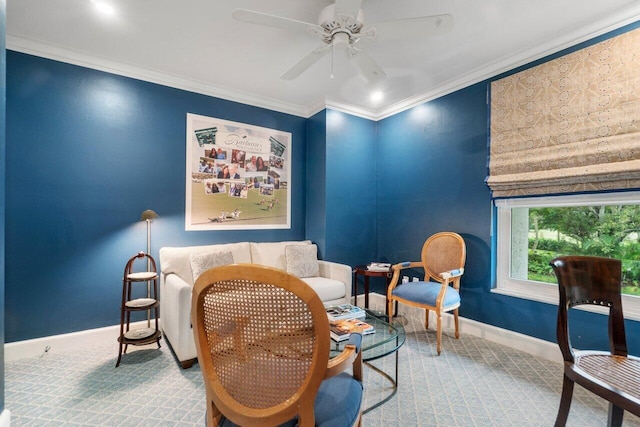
333	285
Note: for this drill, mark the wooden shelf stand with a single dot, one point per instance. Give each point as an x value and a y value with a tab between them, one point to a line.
150	304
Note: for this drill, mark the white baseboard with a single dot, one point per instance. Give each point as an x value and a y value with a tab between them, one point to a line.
103	336
65	342
5	418
535	346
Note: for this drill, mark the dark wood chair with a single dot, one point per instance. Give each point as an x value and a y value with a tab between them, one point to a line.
612	375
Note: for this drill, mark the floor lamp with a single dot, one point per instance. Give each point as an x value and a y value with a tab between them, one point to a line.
148	216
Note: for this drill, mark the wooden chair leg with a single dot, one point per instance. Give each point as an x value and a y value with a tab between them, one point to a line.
615	416
439	333
390	309
213	414
426	318
211	422
455	321
565	402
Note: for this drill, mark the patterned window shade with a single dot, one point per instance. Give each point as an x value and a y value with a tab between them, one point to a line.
569	125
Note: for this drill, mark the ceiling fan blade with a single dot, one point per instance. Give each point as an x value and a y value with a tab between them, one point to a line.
306	62
348	8
414	27
259	18
367	66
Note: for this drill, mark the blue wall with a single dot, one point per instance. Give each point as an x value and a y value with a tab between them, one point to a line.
351	189
87	152
431	170
341	186
316	202
3	91
432	166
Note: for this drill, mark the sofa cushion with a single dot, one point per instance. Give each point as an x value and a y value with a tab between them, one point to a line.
203	261
176	259
271	254
327	289
302	260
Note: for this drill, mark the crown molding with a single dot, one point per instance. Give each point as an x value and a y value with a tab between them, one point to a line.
352	110
58	53
316	107
623	17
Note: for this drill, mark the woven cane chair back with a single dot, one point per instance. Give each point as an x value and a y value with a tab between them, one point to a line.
262	343
443	251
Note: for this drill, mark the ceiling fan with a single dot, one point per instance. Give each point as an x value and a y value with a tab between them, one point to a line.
341	27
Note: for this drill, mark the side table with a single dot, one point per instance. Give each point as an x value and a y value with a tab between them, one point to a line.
361	270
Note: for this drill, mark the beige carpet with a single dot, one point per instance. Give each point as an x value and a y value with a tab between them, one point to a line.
473	383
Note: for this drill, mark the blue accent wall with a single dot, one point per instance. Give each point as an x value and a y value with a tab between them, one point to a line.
3	92
431	171
87	152
351	188
316	202
432	163
341	186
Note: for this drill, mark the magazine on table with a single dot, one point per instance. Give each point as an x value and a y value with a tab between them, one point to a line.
344	311
379	266
341	329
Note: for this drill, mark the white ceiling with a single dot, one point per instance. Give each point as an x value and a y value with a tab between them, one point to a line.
196	45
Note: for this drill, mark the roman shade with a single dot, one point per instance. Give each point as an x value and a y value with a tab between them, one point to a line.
571	124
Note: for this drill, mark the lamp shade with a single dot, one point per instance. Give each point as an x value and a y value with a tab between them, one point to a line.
148	215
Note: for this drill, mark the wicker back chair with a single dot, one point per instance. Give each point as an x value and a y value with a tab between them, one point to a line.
612	375
262	337
443	258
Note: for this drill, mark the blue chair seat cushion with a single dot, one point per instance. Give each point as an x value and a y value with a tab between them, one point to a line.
337	403
426	293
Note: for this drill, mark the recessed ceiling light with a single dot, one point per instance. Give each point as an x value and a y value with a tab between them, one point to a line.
104	7
377	96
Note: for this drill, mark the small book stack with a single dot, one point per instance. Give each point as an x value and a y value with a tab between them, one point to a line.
344	312
341	329
379	266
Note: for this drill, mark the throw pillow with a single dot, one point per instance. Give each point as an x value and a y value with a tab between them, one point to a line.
302	260
204	261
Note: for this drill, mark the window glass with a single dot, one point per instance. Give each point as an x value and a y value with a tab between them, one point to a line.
531	232
607	231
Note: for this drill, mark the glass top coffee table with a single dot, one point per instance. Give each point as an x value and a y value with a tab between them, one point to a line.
386	340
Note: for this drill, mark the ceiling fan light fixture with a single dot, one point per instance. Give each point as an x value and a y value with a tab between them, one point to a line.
340	41
376	96
103	7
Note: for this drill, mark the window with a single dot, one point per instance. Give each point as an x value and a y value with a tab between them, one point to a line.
532	231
